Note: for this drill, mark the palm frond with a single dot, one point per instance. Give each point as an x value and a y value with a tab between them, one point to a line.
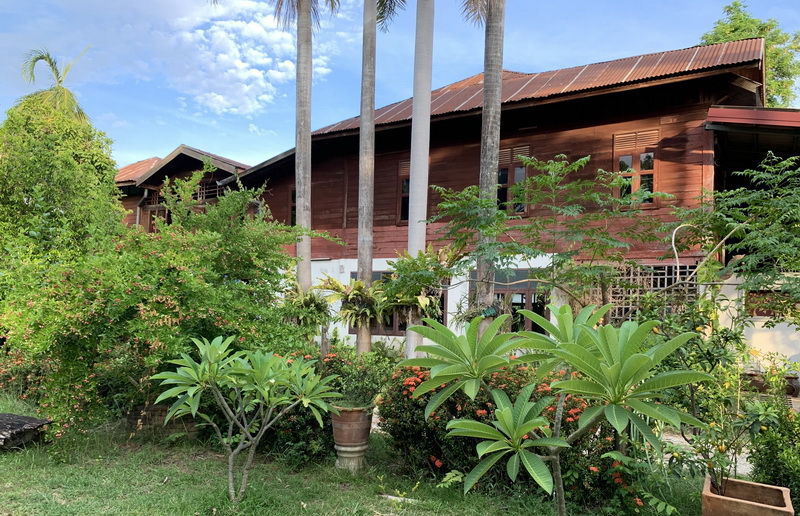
387	10
286	10
34	56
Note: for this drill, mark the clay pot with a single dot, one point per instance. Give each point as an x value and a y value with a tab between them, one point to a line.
744	498
351	429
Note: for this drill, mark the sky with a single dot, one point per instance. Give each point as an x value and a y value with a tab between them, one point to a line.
220	77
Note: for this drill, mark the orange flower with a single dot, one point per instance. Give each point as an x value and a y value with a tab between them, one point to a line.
594	469
481	412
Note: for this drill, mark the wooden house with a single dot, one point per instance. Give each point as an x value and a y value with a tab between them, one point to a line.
140	183
645	113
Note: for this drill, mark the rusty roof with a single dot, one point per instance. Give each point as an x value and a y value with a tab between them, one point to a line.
467	95
129	174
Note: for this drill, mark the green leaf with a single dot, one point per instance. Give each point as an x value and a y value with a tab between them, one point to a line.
485	447
617	416
589	414
512	467
471	387
470	428
654	411
645	430
537	470
439	398
550	441
433	383
483	466
581	388
671	379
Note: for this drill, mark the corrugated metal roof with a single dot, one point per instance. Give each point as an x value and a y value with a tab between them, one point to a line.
467	94
131	173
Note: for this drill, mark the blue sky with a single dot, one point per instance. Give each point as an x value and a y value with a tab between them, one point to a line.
161	73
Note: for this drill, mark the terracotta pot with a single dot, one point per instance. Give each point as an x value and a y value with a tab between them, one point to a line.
744	498
351	429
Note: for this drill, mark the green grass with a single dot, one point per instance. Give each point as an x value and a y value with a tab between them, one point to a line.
104	473
12	404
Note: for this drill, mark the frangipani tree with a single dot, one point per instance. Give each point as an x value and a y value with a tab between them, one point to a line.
618	368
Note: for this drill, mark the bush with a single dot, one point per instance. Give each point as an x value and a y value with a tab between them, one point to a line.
775	456
297	438
590	479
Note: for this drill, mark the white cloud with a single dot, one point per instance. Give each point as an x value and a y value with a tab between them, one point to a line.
232	57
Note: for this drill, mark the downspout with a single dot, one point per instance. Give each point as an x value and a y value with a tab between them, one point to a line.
139	206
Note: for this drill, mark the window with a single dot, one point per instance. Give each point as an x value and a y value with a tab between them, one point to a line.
514	292
511	172
293	207
404	187
635	157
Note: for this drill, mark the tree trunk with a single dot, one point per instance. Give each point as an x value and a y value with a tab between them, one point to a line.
363	339
490	134
302	151
420	128
413	339
366	161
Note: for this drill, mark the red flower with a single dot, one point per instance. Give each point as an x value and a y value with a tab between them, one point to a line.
481	412
638	501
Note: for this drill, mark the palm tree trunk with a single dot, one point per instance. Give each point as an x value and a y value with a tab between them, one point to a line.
420	140
490	134
302	168
366	160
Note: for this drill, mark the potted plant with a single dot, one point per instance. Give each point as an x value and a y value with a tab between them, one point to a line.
361	306
735	416
359	379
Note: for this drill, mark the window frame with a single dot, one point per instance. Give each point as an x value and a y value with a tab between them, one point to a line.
636	144
507	159
403	174
291	218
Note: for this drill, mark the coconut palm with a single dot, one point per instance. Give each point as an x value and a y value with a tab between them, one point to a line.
57	94
492	14
305	13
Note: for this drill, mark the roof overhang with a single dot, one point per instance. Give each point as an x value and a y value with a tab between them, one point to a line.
218	162
746	134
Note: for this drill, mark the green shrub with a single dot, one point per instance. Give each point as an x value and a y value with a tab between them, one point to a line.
775	455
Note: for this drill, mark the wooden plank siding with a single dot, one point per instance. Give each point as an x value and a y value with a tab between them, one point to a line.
581	127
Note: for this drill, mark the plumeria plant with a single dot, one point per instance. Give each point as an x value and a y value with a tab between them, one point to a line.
252	389
617	371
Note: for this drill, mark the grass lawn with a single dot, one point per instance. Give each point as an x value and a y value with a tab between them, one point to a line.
105	473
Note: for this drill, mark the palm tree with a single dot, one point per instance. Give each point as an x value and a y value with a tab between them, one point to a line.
492	14
306	14
57	95
420	141
366	161
376	13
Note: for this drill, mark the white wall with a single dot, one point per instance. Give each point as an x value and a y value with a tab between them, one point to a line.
457	293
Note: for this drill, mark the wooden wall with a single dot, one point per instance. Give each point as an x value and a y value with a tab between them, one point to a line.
578	128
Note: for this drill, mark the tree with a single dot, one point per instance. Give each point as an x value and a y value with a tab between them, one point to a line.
57	95
58	190
306	14
252	390
781	49
492	13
